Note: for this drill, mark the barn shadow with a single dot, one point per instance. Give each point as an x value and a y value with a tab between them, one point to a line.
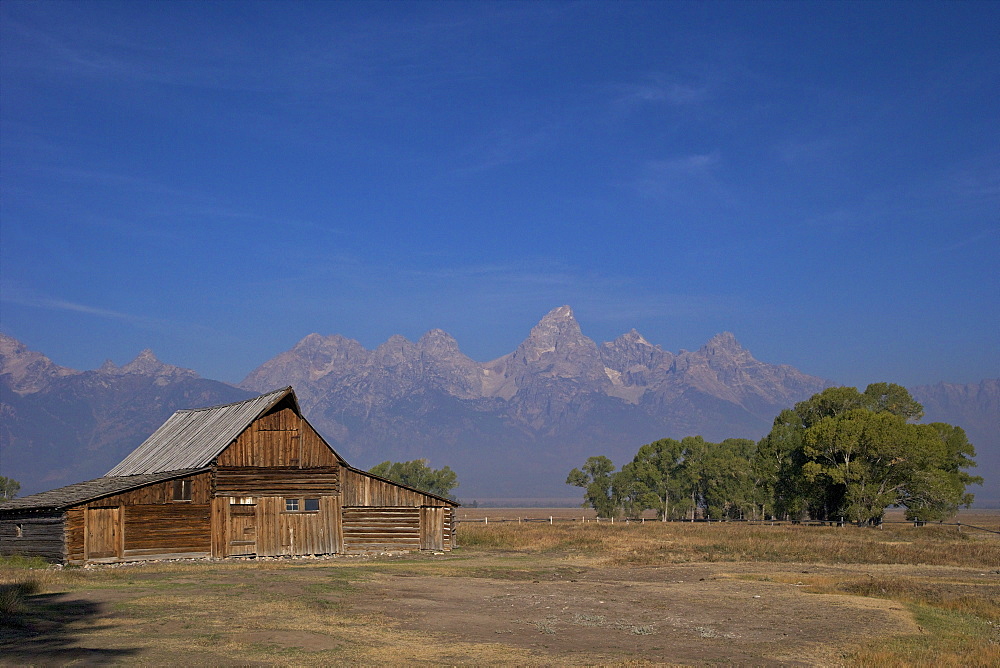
46	629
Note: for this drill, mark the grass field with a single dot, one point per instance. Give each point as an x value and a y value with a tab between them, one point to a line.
538	594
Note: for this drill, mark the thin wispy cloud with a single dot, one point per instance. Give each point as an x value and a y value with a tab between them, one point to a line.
13	294
660	89
687	179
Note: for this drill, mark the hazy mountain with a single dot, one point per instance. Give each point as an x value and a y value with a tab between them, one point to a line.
511	427
976	408
59	426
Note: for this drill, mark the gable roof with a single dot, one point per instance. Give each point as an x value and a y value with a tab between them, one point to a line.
90	490
191	439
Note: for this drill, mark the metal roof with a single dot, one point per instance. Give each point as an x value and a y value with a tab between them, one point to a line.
191	439
90	490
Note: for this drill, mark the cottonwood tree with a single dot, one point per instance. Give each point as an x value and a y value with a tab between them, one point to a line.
8	488
860	453
597	480
728	480
657	468
417	474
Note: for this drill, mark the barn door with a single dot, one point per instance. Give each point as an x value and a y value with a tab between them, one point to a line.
103	533
242	529
432	528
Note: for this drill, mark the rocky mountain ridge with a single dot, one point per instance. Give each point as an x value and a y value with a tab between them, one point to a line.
558	394
555	358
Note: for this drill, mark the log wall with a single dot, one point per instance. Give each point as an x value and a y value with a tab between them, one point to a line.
369	529
39	535
156	531
255	481
74	527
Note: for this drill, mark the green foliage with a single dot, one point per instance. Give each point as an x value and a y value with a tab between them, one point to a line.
656	469
419	475
851	454
598	482
8	488
840	453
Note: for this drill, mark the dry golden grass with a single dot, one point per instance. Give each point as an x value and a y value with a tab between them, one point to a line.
656	543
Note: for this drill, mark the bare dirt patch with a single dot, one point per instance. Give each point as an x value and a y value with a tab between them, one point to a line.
676	614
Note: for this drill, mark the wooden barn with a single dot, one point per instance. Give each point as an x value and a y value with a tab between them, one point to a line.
246	479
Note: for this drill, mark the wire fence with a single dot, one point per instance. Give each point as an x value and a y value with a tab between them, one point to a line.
551	519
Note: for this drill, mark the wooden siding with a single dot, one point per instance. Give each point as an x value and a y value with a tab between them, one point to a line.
362	489
39	535
247	481
167	530
279	438
281	532
435	528
103	539
368	529
186	521
261	526
163	492
315	451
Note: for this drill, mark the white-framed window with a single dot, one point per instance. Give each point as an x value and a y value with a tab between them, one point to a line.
301	505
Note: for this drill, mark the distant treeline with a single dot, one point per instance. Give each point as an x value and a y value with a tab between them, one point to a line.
840	454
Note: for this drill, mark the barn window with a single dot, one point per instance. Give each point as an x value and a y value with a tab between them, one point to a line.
182	490
291	504
312	505
19	531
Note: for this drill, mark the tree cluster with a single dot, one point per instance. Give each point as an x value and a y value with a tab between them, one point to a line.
8	488
419	475
839	454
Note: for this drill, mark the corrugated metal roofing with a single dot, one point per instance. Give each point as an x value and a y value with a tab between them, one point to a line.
89	490
191	439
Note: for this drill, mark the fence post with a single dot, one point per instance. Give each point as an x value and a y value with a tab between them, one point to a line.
486	520
550	519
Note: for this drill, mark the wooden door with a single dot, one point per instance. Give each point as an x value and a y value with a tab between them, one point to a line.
103	533
432	528
242	529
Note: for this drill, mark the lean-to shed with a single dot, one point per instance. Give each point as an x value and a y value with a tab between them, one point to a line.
252	478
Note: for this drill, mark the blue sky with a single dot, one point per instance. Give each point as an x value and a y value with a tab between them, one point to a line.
217	180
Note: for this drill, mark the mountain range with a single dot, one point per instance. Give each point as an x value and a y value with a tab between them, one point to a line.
511	427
